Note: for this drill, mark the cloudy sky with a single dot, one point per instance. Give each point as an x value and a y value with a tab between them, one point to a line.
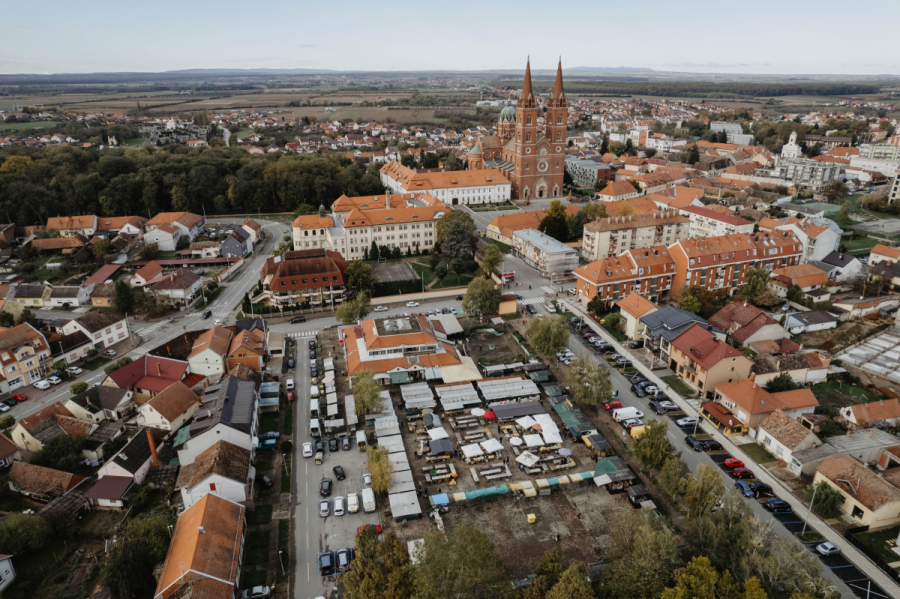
786	36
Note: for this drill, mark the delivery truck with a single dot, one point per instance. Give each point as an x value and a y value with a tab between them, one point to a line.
620	414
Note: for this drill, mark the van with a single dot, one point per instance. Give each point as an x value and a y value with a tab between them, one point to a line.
352	503
314	391
620	414
315	427
314	408
361	440
368	498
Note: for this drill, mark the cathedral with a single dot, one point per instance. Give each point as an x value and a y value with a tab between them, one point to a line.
532	158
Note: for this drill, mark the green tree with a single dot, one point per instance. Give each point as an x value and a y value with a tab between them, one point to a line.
381	570
366	393
693	154
482	297
351	311
843	215
589	382
795	294
59	366
77	388
373	251
704	490
128	572
828	499
430	160
673	477
575	224
23	533
617	147
7	320
361	277
124	300
700	580
592	212
836	191
458	242
380	468
396	253
7	422
441	271
652	448
60	453
612	320
689	303
246	307
101	248
782	382
491	259
641	556
596	305
547	574
554	222
573	584
756	283
548	334
460	562
451	216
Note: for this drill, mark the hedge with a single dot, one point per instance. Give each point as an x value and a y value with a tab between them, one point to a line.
400	287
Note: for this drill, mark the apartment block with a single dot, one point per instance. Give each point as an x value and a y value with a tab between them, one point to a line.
611	236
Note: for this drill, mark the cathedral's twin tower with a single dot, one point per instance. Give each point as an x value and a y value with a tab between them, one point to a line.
534	160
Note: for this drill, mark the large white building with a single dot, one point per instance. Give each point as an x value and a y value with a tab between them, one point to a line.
544	253
482	186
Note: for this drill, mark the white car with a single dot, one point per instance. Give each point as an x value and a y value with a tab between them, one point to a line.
4	408
217	322
412	304
352	502
550	308
381	309
688	421
828	549
289	385
42	385
367	480
307	450
109	352
651	389
338	506
74	370
54	380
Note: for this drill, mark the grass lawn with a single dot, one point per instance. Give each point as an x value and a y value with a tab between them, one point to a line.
285	477
810	537
288	425
859	394
490	207
284	545
423	271
453	280
257	550
503	247
97	362
24	126
757	453
877	542
678	386
261	514
859	246
513	316
619	335
135	141
268	423
253	578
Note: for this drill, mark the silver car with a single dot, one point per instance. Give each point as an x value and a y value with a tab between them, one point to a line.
324	508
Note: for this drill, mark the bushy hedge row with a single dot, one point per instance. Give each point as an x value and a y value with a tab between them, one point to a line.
400	287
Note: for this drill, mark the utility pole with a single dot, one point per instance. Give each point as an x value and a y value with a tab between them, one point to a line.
805	522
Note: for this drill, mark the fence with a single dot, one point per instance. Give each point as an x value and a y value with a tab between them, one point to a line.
228	272
850	535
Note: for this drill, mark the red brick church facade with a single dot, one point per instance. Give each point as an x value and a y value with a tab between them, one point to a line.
532	157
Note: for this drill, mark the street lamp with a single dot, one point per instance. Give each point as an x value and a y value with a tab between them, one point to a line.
806	521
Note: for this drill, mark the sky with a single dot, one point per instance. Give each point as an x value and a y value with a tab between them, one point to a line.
766	36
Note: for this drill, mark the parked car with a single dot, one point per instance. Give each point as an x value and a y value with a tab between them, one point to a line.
352	502
531	309
733	463
206	314
320	445
74	370
346	444
777	505
761	489
339	505
298	319
367	482
4	408
324	508
342	557
10	403
267	445
332	445
412	304
289	384
377	528
109	352
339	472
710	445
692	441
256	593
263	481
638	390
742	473
307	450
312	345
380	309
686	421
217	322
291	363
661	407
589	335
326	563
632	422
744	488
42	385
613	405
636	344
828	548
325	487
290	396
18	398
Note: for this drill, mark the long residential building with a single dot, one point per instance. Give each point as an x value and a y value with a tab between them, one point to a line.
482	186
294	278
707	222
719	264
408	223
611	236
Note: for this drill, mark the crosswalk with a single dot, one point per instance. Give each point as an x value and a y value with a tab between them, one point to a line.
151	328
531	301
303	334
549	289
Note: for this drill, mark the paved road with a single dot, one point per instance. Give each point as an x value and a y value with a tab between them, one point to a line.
155	332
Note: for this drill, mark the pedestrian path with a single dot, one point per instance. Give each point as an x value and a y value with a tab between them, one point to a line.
531	301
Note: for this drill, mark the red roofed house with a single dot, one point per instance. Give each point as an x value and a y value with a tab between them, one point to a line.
705	362
397	349
806	276
617	190
315	276
181	288
147	376
40	483
883	412
750	404
169	409
881	253
633	307
708	222
871	499
746	324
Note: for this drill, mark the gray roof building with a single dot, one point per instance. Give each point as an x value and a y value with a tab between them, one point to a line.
669	322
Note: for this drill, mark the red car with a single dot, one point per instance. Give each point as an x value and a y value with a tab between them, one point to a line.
377	528
742	473
19	397
733	463
290	396
614	404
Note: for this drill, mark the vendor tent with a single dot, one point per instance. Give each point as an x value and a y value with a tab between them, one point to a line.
527	459
472	451
534	440
491	446
437	433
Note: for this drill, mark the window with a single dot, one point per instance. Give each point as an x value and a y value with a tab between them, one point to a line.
529	121
528	136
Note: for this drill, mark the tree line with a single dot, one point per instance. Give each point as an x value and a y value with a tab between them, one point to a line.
704	89
36	184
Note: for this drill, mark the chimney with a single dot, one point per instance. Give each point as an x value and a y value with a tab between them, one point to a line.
152	442
158	368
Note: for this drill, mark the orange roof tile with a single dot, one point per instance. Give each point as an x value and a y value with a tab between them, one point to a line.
415	181
635	305
703	347
886	409
893	253
853	478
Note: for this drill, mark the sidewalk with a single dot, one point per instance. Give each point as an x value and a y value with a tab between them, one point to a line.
862	562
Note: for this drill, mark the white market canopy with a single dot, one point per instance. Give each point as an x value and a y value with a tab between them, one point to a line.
528	459
546	422
472	451
534	440
491	446
526	422
437	433
552	437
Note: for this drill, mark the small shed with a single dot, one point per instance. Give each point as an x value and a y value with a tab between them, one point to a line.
405	506
109	492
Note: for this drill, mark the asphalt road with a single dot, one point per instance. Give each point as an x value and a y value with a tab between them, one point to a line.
155	332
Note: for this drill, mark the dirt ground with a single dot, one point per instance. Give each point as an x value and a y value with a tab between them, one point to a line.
505	348
832	340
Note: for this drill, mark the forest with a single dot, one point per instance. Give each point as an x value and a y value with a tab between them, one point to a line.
702	89
39	183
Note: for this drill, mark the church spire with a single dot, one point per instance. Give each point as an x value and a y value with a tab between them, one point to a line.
527	92
558	86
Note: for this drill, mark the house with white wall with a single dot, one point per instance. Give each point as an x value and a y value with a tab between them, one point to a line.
223	470
104	329
781	435
170	409
134	460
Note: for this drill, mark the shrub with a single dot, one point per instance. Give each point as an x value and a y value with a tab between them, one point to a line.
286	446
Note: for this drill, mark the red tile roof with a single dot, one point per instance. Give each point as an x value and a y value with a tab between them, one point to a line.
703	347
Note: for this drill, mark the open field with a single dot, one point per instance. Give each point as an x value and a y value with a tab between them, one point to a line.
27	126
